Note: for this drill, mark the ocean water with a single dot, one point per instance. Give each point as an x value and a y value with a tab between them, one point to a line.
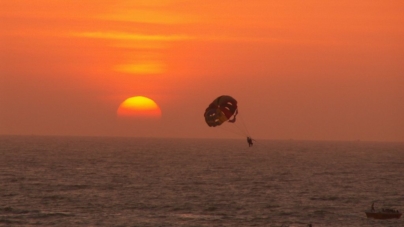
85	181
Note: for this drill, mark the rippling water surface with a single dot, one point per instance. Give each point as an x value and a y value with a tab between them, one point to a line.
82	181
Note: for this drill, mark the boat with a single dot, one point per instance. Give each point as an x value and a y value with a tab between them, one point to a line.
383	214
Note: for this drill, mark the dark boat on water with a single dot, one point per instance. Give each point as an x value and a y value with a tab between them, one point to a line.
384	213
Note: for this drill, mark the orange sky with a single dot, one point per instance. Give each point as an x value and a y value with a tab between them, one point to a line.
312	69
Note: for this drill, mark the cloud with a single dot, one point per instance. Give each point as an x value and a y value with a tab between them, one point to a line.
154	16
130	36
142	68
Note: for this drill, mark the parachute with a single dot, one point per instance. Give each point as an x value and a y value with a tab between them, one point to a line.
222	109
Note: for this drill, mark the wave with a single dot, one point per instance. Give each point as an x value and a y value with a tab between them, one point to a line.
325	198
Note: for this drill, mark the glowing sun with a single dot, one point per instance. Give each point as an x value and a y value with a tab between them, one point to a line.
139	107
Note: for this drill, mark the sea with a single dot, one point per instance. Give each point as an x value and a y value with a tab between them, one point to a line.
109	181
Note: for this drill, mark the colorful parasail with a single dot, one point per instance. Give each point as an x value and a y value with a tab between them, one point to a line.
222	109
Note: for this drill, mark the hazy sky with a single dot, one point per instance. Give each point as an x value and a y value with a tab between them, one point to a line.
313	69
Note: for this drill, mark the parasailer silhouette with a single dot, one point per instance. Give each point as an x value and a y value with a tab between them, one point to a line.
224	109
249	141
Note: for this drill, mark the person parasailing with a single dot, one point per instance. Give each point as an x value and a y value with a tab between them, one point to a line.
224	109
250	141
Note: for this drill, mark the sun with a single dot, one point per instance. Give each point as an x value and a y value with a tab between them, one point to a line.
139	107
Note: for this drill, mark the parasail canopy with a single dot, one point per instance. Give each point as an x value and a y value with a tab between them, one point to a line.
222	109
